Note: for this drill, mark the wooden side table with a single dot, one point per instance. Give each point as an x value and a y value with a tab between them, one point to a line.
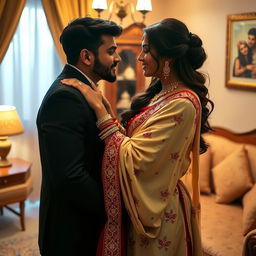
15	186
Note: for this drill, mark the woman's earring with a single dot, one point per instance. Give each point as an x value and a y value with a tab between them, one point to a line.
166	69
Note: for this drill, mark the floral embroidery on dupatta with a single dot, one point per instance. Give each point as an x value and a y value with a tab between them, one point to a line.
112	197
175	156
144	242
164	194
178	119
170	216
164	243
147	135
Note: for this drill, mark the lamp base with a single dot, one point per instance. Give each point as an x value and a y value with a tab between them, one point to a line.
5	163
5	146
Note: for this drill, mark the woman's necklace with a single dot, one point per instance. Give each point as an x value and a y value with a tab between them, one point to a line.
172	86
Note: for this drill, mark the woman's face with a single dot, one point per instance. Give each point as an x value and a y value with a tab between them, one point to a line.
243	49
149	64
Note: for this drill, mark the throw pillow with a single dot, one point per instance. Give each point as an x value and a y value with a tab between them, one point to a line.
220	147
249	210
251	149
232	176
204	169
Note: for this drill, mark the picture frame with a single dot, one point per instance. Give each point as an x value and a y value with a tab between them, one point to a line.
241	63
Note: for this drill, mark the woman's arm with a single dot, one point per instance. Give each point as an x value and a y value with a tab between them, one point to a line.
93	96
239	69
100	105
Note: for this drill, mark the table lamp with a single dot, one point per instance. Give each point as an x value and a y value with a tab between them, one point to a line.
10	124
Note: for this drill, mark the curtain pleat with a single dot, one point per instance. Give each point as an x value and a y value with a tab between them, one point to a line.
10	12
60	12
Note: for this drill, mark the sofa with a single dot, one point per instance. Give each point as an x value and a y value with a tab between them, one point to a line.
228	194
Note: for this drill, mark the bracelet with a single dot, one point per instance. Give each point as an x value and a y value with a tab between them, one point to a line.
103	119
109	132
105	125
107	129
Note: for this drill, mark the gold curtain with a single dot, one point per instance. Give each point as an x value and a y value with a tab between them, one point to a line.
60	12
10	12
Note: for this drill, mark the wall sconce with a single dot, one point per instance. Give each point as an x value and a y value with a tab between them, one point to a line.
121	9
10	124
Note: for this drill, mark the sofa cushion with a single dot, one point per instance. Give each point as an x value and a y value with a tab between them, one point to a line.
220	147
221	227
251	149
204	168
232	176
227	146
249	210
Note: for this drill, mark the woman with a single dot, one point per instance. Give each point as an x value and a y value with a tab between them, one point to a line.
243	63
148	157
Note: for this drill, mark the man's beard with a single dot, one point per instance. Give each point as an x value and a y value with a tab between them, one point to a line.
103	71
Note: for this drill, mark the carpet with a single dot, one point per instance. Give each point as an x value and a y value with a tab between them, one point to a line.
25	246
13	241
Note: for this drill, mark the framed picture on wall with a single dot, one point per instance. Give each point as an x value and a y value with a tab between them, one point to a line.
241	51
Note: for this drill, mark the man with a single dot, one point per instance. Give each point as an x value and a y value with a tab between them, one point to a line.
71	204
252	46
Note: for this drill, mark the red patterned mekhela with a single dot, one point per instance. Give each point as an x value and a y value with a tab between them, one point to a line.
112	238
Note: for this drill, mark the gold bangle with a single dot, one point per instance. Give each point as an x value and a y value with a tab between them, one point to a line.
103	119
108	133
107	129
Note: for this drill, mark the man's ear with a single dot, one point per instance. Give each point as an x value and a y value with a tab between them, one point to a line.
87	57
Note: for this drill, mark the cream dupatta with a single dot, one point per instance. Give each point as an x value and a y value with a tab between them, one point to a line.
129	159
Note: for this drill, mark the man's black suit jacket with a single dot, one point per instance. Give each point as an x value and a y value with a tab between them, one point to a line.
71	203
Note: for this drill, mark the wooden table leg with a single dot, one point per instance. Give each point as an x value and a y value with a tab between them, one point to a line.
22	215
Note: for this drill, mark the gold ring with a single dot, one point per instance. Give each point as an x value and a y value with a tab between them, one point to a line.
79	83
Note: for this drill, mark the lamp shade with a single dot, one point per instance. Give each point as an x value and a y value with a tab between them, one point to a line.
144	5
99	4
10	123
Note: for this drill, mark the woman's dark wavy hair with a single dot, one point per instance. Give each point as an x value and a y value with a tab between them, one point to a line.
170	38
244	61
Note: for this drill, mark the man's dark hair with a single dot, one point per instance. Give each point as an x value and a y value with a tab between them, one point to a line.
86	33
252	31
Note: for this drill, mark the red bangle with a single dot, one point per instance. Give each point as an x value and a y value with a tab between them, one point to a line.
106	125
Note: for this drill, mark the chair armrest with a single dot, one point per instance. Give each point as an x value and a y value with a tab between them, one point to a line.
250	244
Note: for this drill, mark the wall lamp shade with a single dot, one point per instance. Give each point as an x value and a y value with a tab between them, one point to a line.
144	5
99	5
10	124
121	8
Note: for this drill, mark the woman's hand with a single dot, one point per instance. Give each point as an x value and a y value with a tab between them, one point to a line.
93	95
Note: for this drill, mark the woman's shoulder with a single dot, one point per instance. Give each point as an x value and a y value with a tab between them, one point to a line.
187	96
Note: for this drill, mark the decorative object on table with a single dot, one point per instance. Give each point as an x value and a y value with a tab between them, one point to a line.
125	101
129	73
10	124
241	51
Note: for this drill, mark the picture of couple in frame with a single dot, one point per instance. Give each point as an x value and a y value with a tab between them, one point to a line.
241	51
